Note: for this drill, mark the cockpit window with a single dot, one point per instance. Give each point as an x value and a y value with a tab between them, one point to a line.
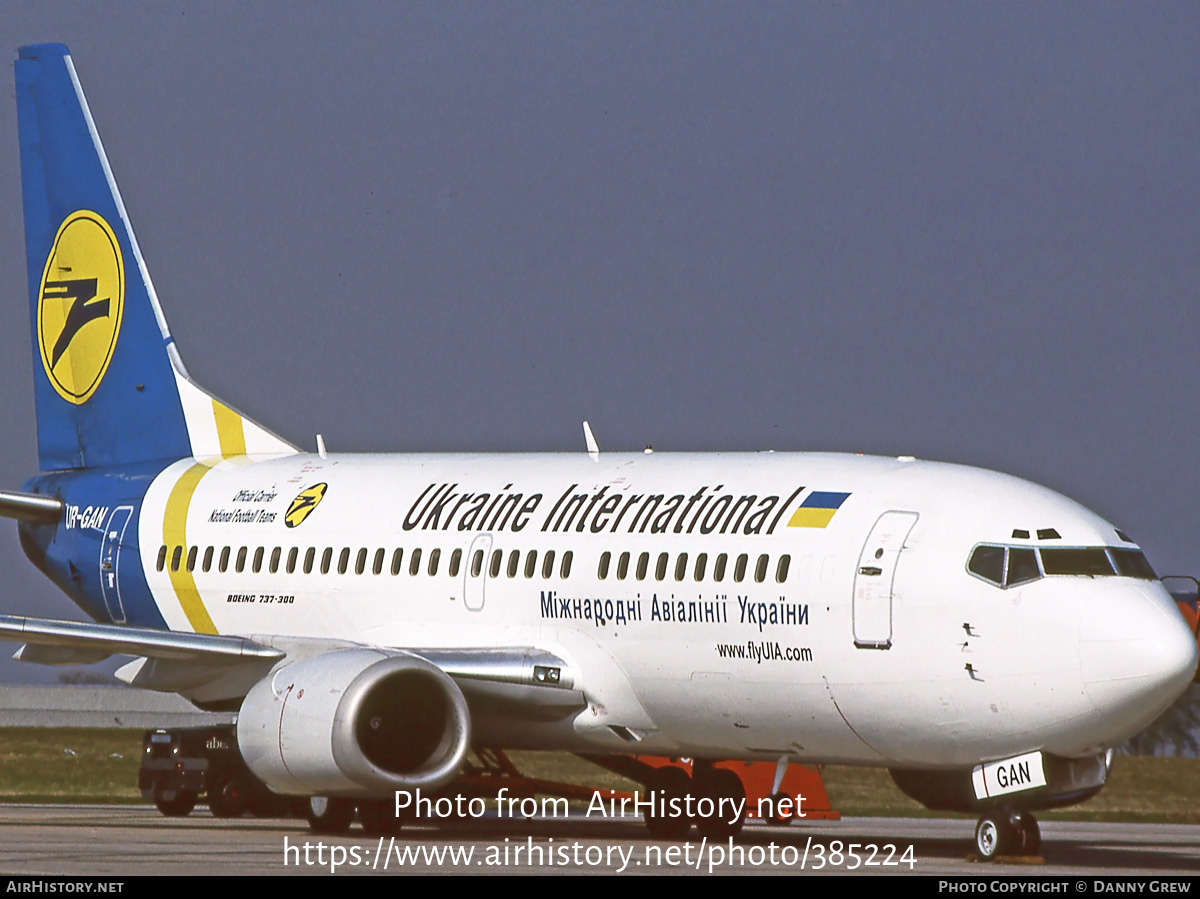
1131	563
1010	566
1088	561
988	563
1022	567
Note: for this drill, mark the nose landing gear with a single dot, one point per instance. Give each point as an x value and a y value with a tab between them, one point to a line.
1007	834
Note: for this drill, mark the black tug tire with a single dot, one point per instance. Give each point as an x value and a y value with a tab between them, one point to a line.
269	805
329	814
665	784
227	798
174	803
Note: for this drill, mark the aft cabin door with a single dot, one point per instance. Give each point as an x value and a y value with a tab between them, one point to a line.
874	579
110	562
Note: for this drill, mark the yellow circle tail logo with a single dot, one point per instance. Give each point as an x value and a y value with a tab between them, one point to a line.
303	505
80	303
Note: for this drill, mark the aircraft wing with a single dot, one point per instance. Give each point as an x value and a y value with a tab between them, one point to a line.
183	662
525	681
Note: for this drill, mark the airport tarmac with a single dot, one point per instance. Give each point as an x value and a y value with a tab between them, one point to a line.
135	840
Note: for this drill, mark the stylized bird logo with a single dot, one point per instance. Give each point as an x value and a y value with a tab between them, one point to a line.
303	505
82	310
79	318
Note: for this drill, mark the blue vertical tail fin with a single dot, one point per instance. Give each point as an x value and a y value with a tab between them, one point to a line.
109	383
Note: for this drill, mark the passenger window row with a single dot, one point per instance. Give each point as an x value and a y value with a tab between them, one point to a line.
513	566
1008	566
699	568
358	562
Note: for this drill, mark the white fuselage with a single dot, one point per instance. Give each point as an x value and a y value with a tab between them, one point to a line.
876	646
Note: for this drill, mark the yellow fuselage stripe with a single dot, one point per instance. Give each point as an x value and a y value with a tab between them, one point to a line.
175	534
231	434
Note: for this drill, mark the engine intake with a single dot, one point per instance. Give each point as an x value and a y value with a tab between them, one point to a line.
355	722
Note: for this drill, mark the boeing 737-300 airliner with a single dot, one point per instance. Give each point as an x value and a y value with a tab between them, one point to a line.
372	618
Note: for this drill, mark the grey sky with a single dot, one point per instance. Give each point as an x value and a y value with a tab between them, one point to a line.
965	232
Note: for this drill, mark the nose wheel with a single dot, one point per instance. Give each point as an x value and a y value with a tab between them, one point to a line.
1007	834
1030	834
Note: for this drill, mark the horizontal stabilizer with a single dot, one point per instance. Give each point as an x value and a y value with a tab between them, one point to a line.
30	507
114	640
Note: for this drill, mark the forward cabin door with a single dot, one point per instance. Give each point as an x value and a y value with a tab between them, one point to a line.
874	579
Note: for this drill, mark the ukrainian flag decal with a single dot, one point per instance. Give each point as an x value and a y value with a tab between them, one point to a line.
817	510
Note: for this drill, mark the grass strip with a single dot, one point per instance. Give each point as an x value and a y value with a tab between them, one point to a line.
100	765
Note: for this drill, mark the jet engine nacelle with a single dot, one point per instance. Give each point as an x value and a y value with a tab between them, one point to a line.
355	722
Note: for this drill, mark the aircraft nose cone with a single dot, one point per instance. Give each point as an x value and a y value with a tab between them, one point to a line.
1136	654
